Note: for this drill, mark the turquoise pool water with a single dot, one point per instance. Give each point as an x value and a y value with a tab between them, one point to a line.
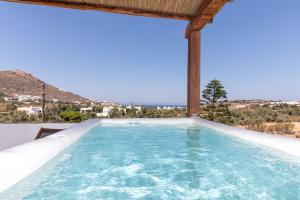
162	162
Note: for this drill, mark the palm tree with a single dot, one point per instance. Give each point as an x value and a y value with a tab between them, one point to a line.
214	91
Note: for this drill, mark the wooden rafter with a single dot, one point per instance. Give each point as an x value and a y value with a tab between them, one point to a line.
205	13
113	9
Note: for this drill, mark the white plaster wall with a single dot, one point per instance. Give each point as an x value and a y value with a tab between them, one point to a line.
16	134
32	155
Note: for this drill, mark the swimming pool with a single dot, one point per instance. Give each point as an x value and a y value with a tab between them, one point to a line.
150	161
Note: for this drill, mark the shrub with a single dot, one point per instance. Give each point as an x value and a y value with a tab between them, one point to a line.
281	128
71	116
257	126
88	115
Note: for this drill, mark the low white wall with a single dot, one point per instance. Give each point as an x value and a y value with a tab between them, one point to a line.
20	161
16	134
278	142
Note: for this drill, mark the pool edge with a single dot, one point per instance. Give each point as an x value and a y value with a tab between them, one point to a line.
282	143
20	161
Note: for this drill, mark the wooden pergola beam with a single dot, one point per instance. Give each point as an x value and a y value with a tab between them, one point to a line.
104	8
205	13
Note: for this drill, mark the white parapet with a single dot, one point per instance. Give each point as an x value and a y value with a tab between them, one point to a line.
20	161
278	142
16	134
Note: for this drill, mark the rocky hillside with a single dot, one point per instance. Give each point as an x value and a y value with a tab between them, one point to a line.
17	82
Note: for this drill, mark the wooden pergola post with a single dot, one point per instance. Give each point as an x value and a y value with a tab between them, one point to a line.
193	74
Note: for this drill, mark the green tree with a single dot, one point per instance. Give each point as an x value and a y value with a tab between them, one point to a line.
116	113
71	116
11	107
18	117
213	93
88	115
224	115
53	114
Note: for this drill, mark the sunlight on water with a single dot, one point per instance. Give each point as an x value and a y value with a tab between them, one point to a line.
162	162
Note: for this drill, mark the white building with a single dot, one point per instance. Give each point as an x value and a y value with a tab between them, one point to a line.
105	111
180	108
9	99
168	108
23	98
129	107
36	98
106	103
30	110
138	108
84	110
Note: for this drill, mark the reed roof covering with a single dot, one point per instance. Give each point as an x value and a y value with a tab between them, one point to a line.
175	9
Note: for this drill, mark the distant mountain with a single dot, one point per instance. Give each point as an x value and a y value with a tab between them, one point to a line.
17	82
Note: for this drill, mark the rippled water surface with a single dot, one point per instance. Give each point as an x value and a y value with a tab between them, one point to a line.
162	162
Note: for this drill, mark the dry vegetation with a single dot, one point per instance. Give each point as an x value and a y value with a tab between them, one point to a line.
274	128
280	119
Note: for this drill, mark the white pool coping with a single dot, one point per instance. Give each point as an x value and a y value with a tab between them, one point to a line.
282	143
18	162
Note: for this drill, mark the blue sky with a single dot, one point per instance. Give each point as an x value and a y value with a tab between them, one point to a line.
253	48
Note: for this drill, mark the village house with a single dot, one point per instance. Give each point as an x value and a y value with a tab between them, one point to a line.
30	110
85	110
105	111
